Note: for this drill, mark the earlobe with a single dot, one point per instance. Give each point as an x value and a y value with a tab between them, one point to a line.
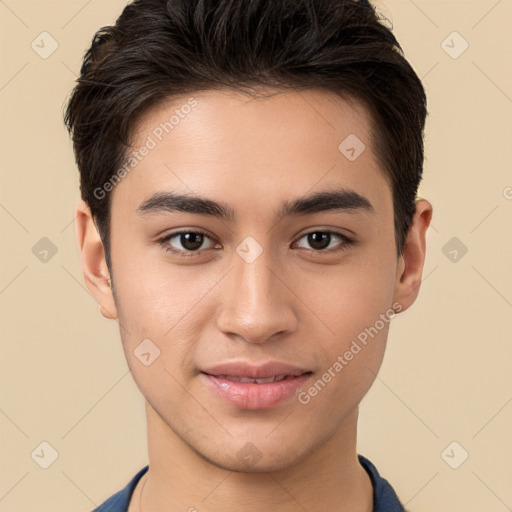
92	256
410	265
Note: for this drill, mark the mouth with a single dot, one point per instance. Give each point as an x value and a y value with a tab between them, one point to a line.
275	378
254	394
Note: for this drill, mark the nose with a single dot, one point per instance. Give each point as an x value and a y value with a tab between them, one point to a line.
256	301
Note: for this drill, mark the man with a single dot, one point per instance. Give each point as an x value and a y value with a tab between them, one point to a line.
249	215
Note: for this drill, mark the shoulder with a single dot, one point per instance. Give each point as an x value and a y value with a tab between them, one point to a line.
385	498
120	500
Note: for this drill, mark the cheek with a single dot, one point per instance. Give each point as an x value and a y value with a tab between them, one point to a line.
149	297
168	308
351	359
354	304
350	297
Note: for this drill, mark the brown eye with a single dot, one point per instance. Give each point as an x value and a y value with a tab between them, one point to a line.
191	241
186	243
321	240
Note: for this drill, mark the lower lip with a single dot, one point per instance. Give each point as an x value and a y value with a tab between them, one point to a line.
251	395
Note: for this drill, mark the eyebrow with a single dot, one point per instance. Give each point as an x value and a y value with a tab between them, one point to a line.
328	200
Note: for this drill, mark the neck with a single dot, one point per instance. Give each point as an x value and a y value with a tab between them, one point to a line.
180	478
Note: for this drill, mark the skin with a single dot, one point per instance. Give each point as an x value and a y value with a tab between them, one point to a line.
291	304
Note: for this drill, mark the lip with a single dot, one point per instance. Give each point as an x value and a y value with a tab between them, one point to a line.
253	395
264	371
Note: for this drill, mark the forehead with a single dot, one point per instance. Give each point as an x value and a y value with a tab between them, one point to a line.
318	115
233	145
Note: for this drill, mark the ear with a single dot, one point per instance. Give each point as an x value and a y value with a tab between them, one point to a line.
94	265
410	263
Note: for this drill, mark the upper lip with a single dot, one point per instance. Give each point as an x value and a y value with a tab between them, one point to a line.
263	371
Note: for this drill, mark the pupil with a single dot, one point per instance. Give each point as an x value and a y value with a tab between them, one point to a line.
319	242
191	241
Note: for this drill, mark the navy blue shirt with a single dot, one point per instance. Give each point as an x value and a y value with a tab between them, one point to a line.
384	497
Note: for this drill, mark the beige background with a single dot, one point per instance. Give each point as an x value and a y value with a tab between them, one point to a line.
446	375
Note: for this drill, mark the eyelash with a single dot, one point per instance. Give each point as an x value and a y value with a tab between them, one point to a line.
347	242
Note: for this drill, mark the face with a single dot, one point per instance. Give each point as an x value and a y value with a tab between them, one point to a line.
311	286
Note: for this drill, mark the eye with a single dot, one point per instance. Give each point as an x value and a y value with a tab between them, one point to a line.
191	242
321	240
